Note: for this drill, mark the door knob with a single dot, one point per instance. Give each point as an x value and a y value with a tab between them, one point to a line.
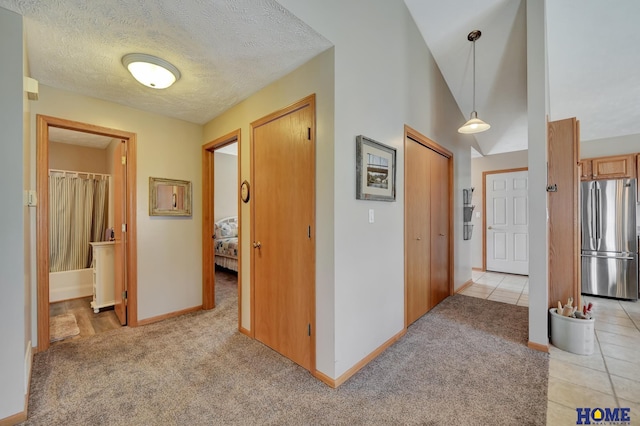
442	235
257	244
418	238
491	227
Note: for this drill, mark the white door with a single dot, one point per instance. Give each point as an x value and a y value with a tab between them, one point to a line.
507	222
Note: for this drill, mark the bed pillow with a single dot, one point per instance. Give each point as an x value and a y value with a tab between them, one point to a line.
226	228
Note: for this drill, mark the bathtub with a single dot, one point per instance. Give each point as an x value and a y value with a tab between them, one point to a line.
70	284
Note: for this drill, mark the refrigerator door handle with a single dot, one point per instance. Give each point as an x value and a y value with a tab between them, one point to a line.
592	218
598	215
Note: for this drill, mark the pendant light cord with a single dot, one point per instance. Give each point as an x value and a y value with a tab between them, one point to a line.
474	75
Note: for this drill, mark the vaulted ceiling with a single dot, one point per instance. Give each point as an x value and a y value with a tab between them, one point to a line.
593	58
228	49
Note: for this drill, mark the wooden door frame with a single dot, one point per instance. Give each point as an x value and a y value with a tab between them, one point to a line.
43	123
208	221
311	102
415	136
484	207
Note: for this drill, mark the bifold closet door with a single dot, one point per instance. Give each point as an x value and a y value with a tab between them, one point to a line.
439	168
417	230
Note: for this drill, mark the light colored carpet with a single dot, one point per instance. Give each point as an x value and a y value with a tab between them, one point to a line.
62	327
464	363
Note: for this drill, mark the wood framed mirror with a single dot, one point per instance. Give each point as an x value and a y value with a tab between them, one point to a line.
169	197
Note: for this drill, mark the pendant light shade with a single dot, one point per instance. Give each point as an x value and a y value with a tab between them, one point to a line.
150	70
474	125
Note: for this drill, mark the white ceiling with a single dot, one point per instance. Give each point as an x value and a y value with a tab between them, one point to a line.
225	49
73	137
594	63
593	58
228	49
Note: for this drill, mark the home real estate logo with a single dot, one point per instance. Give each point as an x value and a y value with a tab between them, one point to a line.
603	416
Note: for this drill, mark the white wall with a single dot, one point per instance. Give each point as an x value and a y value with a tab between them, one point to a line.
316	76
385	77
14	250
226	180
538	107
169	249
480	165
610	146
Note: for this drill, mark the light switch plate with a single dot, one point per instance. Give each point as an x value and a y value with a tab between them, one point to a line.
371	216
30	198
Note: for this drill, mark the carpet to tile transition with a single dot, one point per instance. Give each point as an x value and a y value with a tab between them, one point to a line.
464	363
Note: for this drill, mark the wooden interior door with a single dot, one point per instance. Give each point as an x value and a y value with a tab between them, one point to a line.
563	152
440	216
119	206
417	230
283	260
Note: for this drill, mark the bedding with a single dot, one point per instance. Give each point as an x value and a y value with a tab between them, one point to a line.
226	243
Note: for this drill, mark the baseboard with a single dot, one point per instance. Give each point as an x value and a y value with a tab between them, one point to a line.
478	269
334	383
245	331
15	419
464	286
324	378
538	346
163	317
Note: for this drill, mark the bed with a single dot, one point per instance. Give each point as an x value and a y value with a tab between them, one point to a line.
226	242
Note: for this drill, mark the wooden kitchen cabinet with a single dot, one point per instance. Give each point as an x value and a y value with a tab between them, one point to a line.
619	166
585	170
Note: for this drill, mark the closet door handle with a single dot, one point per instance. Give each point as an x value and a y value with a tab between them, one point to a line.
257	244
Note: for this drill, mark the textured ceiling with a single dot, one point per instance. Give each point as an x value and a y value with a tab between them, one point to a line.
73	137
225	49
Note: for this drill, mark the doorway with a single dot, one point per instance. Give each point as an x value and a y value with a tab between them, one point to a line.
124	258
428	225
283	231
222	221
506	221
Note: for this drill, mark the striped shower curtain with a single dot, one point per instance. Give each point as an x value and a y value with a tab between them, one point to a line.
77	216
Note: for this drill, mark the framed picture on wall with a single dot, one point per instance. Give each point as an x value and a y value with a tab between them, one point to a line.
375	170
169	197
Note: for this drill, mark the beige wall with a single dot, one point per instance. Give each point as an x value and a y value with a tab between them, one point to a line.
316	76
385	77
511	160
226	189
77	158
169	249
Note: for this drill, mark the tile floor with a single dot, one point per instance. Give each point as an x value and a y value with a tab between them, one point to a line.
607	379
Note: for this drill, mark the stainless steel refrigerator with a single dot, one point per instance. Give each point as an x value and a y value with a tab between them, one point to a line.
609	242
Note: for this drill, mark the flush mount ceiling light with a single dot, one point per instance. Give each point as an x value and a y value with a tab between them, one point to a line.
150	70
474	125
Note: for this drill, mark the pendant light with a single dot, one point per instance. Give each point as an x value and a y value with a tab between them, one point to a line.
150	70
474	125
